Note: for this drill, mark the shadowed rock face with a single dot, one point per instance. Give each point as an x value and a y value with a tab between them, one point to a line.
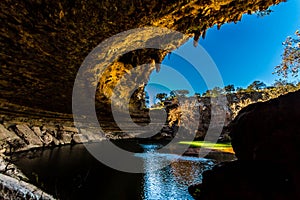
266	139
268	131
43	43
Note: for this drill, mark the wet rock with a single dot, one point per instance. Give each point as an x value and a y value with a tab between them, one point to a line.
28	135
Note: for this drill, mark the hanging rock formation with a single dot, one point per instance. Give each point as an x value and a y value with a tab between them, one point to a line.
43	43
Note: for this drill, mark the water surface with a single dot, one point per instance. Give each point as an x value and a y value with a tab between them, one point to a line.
71	172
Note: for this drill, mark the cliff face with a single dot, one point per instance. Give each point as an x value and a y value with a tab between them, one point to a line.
265	138
235	102
43	43
268	131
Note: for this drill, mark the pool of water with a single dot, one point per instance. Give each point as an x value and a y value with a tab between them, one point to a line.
71	172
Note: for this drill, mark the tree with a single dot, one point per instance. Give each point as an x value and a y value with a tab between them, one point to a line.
147	101
256	85
172	94
161	96
197	95
216	91
291	57
280	83
240	89
229	88
207	93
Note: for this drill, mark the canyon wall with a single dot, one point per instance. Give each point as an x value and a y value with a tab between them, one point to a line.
44	42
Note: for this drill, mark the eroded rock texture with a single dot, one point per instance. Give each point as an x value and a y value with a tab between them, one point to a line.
43	43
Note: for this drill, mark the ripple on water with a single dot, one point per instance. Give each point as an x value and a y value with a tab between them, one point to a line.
168	175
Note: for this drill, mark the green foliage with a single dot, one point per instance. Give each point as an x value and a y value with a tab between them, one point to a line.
207	93
239	90
197	95
206	144
229	88
290	58
161	96
256	85
226	147
216	91
280	83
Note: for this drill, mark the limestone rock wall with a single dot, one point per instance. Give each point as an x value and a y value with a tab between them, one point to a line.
202	109
21	137
43	43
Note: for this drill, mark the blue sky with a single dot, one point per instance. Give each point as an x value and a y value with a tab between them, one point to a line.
243	52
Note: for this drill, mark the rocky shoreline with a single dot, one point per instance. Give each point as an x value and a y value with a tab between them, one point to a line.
264	136
21	136
14	184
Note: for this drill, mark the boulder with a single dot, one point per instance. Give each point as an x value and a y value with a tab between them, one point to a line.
47	139
50	129
28	135
37	131
268	131
265	137
80	138
9	140
65	138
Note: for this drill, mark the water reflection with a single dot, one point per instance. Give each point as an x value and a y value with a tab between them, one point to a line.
71	173
172	181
